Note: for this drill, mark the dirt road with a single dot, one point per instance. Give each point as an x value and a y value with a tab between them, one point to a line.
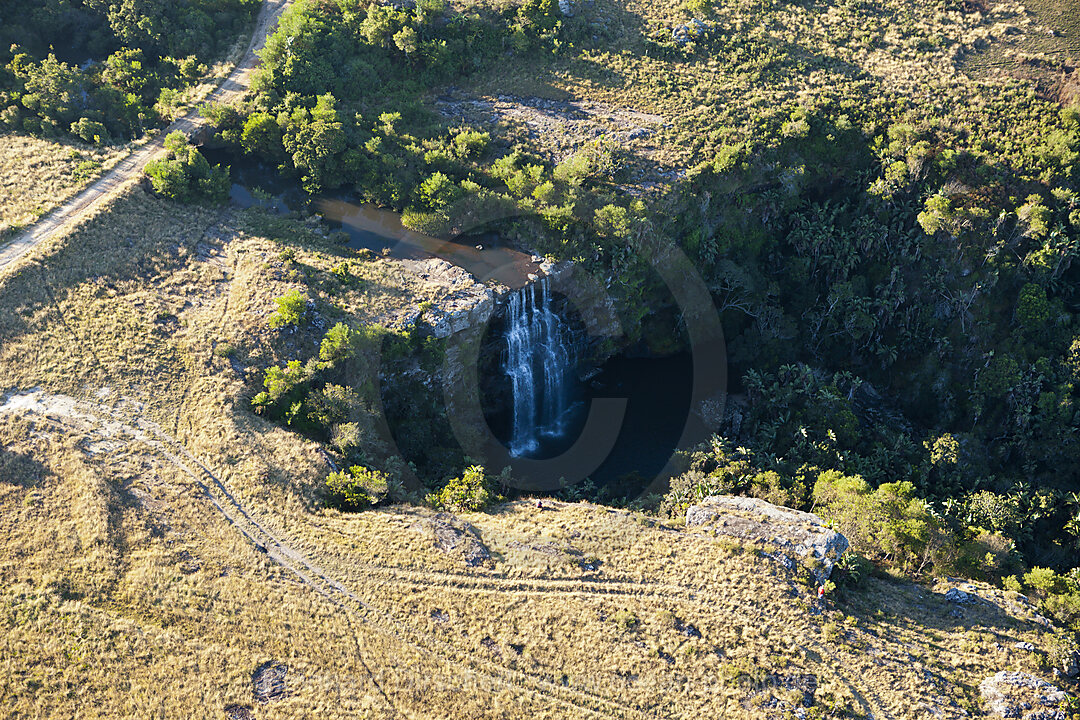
130	168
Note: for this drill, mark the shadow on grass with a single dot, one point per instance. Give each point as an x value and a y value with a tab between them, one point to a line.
20	469
879	603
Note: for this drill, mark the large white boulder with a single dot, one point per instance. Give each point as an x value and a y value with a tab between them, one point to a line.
796	534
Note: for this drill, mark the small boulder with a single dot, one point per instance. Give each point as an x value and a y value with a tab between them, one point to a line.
958	596
457	537
1013	694
1069	665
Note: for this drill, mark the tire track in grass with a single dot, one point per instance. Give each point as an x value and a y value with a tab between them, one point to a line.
113	425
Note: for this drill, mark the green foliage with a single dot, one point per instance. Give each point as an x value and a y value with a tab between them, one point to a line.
938	214
150	51
291	309
286	387
469	492
1032	308
471	143
314	138
90	131
185	175
1045	580
261	135
1036	216
357	488
438	192
889	523
1059	594
613	221
986	509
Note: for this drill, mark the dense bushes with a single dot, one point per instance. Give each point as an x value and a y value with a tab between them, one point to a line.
888	522
357	488
123	63
185	175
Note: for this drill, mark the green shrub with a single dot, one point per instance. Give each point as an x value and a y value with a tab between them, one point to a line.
937	215
469	492
889	523
357	488
291	308
625	620
286	387
1045	580
90	131
185	175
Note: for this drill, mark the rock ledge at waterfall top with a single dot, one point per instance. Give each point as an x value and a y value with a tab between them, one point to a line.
796	535
470	303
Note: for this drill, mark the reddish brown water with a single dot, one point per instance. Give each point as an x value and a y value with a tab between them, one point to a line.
381	231
373	228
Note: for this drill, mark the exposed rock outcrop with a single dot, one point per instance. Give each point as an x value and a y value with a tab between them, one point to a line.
1013	694
692	30
468	304
796	535
268	682
457	537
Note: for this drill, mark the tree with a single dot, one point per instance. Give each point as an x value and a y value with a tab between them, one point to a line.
937	215
55	91
889	523
185	175
1032	308
90	131
406	40
468	492
261	135
126	71
315	140
357	488
439	192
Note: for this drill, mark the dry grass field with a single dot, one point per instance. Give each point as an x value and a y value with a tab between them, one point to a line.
36	175
162	545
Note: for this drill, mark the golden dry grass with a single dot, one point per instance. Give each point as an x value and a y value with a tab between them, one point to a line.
36	175
131	585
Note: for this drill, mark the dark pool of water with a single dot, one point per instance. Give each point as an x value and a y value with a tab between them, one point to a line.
658	394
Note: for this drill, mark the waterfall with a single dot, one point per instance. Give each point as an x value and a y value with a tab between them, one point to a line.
539	360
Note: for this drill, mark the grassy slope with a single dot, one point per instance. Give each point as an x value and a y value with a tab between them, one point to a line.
123	591
37	175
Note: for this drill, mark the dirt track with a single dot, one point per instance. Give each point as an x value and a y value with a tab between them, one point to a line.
130	168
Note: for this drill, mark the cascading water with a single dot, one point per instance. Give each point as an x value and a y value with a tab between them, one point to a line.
539	361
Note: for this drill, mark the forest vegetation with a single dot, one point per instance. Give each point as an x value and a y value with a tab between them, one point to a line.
883	200
889	236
